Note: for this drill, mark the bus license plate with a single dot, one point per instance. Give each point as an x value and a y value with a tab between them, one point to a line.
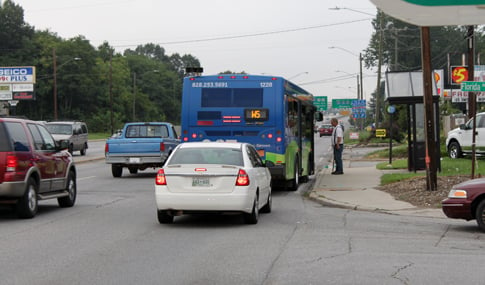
200	182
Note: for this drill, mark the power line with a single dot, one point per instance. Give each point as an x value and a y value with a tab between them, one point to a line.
252	35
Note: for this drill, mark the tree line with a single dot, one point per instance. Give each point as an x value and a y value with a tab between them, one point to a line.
97	85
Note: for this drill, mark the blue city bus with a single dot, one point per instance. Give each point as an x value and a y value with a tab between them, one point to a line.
273	114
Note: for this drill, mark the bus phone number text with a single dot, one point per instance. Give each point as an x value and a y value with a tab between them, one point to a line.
224	84
210	85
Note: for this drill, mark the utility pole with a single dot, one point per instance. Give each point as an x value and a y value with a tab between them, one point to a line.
429	118
55	81
111	90
379	63
471	95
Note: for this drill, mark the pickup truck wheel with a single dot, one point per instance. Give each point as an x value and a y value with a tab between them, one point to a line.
68	201
27	205
133	170
116	170
454	150
164	217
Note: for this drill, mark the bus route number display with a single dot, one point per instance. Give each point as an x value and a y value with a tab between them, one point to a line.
256	114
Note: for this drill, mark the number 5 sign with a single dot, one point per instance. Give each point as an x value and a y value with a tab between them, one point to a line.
458	74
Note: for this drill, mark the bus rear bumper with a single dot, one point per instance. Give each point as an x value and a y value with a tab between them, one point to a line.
278	172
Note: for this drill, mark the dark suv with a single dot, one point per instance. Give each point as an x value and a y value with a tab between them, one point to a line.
33	167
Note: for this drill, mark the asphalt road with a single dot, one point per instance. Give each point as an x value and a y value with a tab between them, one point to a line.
112	236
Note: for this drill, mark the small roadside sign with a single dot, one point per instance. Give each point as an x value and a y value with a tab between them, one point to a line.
380	133
354	136
473	86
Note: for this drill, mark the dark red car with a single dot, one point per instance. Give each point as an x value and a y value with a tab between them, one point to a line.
467	201
325	130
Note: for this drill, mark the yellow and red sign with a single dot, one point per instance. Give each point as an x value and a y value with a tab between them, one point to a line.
459	74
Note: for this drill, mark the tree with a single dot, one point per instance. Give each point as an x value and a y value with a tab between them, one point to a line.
15	35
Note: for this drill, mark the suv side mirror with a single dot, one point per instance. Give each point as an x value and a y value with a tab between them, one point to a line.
62	145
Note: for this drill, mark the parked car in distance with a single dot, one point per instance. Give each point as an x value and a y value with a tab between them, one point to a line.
325	130
467	201
33	167
207	177
459	140
75	132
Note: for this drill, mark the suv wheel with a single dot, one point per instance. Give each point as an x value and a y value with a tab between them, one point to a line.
68	201
28	204
83	150
454	150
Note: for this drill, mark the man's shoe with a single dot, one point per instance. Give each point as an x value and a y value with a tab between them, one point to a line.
337	173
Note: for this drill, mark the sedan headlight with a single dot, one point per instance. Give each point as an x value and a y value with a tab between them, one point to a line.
457	193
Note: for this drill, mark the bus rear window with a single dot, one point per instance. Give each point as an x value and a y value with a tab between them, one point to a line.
232	97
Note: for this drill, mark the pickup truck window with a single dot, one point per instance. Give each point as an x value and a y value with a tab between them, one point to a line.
146	131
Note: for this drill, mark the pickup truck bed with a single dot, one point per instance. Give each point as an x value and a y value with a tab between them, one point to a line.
140	146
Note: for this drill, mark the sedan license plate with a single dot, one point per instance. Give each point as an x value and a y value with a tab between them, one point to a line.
200	182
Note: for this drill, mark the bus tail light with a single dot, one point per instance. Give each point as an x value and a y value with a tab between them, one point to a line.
194	135
279	139
186	139
160	179
205	123
242	178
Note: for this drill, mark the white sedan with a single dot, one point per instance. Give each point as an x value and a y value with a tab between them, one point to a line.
205	177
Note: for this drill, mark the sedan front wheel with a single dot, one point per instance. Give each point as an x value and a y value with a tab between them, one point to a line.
480	215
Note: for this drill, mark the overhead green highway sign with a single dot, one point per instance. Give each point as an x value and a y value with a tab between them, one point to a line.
320	102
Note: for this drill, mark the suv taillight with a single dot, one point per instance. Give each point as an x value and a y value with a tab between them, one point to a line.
160	179
242	178
11	162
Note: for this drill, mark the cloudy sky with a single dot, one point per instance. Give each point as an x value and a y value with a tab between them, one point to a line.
289	38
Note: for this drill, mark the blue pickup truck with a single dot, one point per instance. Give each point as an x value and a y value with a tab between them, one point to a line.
139	146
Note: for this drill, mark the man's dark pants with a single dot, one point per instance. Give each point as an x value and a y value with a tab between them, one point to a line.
337	155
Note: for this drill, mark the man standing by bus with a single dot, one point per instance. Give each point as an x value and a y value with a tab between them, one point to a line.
338	146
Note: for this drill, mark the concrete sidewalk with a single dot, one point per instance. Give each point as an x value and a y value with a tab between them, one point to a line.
356	188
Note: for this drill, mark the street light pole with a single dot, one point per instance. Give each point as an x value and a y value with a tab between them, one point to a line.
134	95
54	74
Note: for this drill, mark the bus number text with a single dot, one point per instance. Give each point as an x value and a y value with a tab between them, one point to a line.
266	84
